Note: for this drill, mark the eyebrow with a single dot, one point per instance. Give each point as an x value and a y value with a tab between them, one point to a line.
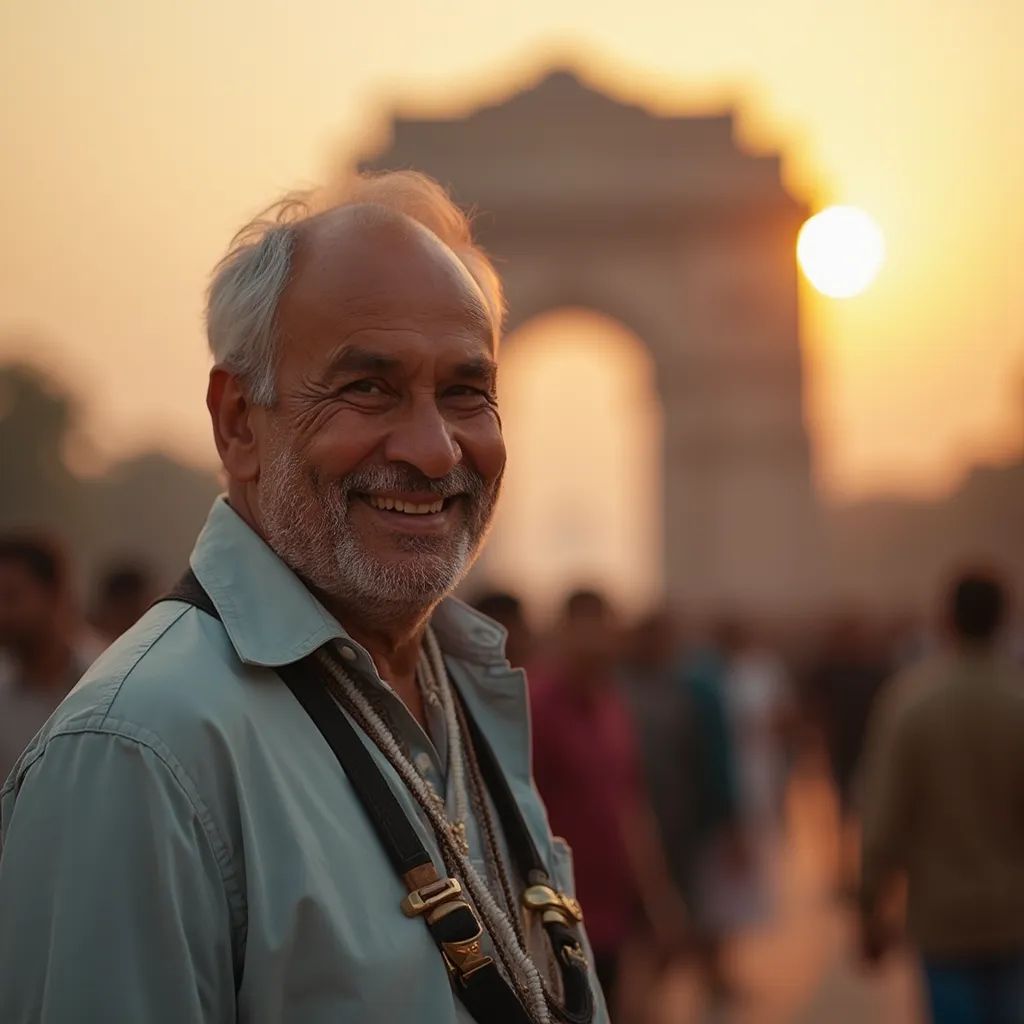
479	368
353	359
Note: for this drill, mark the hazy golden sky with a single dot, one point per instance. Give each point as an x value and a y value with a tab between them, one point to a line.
138	135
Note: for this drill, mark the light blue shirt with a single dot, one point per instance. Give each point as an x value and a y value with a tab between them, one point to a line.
180	845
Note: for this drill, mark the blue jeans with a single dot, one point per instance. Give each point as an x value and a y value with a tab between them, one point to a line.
976	990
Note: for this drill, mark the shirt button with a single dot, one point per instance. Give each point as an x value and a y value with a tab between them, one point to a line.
424	763
349	654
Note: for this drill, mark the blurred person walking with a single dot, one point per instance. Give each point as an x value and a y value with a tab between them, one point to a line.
761	709
672	731
298	789
736	872
718	842
588	769
851	671
666	735
40	653
943	805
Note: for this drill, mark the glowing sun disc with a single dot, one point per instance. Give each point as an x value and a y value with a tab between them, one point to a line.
840	250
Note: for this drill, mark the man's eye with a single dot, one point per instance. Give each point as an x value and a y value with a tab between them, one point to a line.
466	391
363	387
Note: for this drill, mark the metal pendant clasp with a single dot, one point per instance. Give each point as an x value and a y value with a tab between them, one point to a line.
553	906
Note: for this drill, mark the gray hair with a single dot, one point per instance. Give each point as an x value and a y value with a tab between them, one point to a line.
241	307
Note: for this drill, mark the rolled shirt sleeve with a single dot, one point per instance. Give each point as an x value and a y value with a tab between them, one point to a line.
113	903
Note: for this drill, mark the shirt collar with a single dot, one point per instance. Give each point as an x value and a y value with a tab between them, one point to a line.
272	618
463	632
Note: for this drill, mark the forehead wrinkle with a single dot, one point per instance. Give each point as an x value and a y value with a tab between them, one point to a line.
383	309
479	319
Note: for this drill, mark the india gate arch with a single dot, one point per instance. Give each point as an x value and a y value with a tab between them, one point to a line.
667	226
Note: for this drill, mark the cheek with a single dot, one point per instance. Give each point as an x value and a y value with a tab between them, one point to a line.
342	445
484	446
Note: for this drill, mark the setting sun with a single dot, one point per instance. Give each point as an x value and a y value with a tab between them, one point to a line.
841	250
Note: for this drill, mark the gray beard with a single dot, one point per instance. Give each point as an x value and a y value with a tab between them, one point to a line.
307	522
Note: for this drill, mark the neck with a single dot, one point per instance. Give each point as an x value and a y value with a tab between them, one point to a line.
238	499
394	643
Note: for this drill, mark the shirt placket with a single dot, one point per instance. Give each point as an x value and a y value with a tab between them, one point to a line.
427	749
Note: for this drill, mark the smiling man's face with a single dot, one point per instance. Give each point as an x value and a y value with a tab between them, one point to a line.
381	460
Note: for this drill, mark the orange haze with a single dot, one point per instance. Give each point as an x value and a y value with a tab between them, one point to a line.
138	137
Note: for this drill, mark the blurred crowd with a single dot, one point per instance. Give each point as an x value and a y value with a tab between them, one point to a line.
664	748
46	642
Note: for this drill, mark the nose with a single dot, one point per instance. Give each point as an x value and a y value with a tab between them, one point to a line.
423	439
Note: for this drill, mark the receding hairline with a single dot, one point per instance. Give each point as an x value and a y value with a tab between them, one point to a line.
370	218
359	224
364	213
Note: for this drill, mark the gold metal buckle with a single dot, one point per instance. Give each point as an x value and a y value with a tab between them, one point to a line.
465	957
554	907
428	896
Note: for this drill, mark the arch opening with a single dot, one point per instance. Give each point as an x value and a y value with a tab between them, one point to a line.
582	501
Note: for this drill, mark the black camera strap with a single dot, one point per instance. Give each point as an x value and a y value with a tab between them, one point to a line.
452	921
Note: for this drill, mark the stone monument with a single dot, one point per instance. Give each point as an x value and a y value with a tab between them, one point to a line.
668	226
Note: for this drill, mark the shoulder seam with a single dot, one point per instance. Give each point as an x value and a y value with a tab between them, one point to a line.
138	661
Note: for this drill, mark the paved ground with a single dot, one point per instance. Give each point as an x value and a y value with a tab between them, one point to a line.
801	970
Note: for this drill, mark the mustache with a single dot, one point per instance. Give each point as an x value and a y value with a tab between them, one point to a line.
395	477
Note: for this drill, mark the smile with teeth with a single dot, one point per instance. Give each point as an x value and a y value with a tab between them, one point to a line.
408	507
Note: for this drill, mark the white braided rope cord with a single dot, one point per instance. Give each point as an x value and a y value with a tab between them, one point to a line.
434	678
437	677
518	965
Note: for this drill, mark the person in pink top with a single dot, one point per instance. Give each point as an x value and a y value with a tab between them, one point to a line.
587	769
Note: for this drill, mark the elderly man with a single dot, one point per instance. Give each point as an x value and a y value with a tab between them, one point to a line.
299	791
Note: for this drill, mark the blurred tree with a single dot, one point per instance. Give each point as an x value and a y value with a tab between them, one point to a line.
152	507
149	507
37	490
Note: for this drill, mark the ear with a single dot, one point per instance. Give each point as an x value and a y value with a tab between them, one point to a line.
233	416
